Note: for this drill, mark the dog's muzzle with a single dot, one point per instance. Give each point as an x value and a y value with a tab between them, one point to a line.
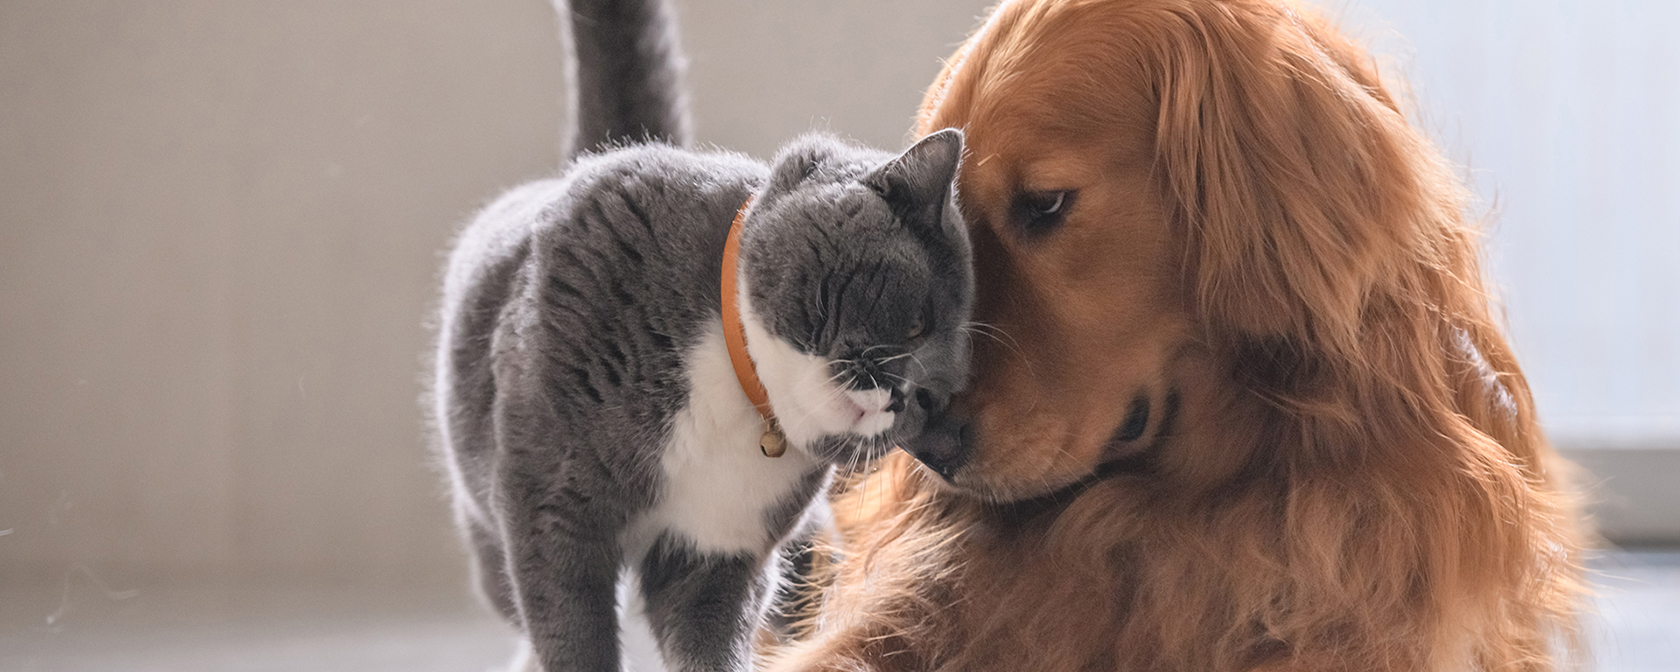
945	444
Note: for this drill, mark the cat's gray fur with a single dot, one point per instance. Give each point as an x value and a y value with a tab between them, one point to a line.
628	68
575	312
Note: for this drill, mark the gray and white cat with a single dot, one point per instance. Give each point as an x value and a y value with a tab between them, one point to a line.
591	420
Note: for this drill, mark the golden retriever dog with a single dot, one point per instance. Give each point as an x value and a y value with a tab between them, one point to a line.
1239	401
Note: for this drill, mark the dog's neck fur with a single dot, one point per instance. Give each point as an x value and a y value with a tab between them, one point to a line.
1254	461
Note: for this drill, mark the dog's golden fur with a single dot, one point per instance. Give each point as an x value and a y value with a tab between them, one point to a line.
1341	468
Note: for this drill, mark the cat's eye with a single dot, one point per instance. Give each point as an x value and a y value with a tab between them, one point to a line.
1038	212
915	330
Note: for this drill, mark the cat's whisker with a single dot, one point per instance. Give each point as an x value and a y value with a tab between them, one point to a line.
895	376
976	324
975	328
853	459
837	376
917	360
897	357
835	392
983	327
997	334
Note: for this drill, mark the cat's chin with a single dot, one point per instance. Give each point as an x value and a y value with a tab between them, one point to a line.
812	409
867	409
824	412
808	402
871	425
871	435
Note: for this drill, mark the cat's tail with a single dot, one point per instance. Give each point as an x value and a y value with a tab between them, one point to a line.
628	83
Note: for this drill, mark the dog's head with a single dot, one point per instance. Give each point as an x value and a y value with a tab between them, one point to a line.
1210	253
1170	200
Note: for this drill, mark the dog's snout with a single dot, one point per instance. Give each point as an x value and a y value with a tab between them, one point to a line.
924	399
945	444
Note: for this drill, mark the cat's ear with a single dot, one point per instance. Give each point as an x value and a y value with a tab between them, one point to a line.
799	160
922	176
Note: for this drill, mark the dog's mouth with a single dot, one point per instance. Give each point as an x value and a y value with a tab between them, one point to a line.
1134	450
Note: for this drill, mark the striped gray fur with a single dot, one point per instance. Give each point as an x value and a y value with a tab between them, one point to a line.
585	409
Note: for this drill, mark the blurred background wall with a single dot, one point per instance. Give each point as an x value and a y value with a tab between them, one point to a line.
220	224
220	227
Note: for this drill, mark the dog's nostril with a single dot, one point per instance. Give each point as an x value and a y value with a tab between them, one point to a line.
944	445
924	399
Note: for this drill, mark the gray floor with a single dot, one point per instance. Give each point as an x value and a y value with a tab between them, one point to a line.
323	629
326	629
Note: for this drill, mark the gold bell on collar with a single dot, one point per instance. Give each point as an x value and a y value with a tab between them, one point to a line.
772	442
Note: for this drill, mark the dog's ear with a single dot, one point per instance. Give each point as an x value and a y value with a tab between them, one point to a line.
1279	153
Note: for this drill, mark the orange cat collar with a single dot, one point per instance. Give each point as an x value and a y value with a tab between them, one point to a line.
772	443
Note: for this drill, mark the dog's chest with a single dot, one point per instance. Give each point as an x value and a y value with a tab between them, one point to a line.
719	491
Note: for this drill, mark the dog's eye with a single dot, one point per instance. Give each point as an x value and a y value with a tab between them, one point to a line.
1046	203
1040	211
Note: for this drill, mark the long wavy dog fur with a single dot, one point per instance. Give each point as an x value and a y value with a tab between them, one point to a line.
1247	405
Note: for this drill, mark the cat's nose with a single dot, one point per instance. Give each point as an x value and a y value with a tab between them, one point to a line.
897	403
874	400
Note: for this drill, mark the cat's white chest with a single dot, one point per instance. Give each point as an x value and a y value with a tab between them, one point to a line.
718	487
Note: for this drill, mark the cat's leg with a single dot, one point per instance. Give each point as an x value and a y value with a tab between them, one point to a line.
523	659
489	569
561	501
563	566
703	607
559	524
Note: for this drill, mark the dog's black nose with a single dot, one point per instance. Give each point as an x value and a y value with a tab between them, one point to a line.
946	442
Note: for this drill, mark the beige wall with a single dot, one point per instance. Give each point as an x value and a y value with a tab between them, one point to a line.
219	228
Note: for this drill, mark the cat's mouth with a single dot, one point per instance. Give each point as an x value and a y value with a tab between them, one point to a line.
860	425
872	411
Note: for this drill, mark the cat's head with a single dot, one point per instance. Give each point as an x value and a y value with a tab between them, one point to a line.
856	290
